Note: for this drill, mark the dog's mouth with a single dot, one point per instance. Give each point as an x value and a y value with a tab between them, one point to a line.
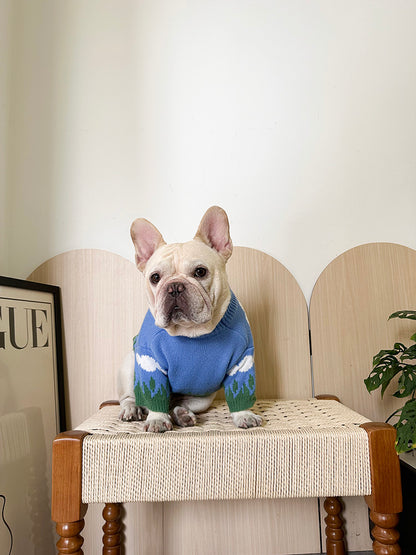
178	315
187	309
178	311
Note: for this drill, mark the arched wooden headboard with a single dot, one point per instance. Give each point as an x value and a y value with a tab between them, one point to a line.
350	306
103	304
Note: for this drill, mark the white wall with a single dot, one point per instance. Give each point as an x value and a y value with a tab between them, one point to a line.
5	70
298	117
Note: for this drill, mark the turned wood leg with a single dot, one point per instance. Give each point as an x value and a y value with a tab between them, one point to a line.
385	500
334	532
68	511
111	529
385	535
70	541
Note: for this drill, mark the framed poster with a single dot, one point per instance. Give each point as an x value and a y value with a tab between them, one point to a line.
32	410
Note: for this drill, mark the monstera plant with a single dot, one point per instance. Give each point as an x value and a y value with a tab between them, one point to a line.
399	361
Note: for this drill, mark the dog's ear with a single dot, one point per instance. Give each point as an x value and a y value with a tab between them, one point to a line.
214	230
146	239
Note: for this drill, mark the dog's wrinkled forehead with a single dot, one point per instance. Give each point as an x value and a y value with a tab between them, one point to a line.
183	258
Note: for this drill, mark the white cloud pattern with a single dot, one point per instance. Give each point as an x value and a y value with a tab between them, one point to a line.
149	364
244	366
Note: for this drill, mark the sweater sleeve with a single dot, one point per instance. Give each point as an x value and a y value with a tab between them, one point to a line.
151	384
240	383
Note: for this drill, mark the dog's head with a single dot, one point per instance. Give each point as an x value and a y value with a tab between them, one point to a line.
186	283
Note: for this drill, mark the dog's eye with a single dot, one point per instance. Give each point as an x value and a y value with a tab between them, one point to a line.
155	278
200	272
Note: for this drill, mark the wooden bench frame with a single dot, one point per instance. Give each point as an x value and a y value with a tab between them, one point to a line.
385	501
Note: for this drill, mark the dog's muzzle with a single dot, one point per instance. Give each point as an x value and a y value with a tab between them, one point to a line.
181	303
177	303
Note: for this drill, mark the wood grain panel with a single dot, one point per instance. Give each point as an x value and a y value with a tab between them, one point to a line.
266	527
350	306
349	311
103	304
277	312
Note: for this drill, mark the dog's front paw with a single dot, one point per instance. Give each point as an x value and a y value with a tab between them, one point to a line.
183	417
129	412
246	419
158	422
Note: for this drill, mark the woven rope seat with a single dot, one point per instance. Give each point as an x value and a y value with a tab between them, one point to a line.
215	460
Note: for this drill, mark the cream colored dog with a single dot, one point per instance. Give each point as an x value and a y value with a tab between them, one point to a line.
195	337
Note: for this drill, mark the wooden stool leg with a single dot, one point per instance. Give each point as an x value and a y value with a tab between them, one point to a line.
385	501
70	541
385	535
111	529
68	511
334	532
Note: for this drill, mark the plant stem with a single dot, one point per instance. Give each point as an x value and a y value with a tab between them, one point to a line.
391	415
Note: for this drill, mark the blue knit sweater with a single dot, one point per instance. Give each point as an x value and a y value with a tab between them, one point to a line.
196	366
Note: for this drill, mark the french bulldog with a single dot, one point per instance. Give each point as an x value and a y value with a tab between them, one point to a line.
194	339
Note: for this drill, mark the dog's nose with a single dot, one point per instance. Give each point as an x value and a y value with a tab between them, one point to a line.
175	289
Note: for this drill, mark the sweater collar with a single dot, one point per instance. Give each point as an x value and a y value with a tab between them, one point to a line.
226	320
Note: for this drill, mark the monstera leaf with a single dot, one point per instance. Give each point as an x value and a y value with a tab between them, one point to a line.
407	382
406	428
410	314
385	367
398	361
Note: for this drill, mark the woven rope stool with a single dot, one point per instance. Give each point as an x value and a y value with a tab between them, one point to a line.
308	448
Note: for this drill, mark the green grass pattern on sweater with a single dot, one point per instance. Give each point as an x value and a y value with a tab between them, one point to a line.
146	396
242	400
